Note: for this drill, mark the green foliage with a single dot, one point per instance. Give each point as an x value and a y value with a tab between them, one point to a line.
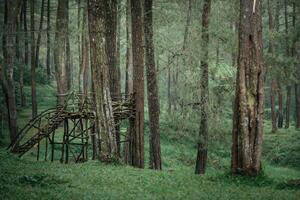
283	147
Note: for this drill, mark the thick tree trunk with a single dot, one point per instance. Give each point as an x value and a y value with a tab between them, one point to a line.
48	59
33	60
273	81
247	130
153	98
60	52
137	139
203	132
111	48
11	13
99	61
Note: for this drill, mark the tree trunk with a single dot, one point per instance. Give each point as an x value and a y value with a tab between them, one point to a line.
111	48
288	88
203	133
297	102
128	77
297	74
287	108
273	109
23	63
11	14
118	71
247	130
137	139
33	60
280	105
48	61
169	87
153	98
273	81
60	52
38	43
99	61
186	31
84	58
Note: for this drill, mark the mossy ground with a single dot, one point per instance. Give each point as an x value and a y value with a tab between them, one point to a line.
26	178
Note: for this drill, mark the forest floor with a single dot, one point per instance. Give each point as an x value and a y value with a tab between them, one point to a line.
26	178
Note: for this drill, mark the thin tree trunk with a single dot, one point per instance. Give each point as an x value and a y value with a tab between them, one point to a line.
153	98
169	87
118	71
38	43
33	60
48	61
203	132
297	102
80	43
279	89
128	77
296	86
22	57
288	88
99	61
287	108
186	31
247	130
137	139
84	58
273	81
280	105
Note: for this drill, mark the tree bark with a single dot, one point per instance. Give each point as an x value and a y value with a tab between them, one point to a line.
203	132
296	86
84	58
279	89
128	77
99	62
137	139
33	60
118	71
153	98
38	43
48	61
111	48
273	81
247	130
288	88
11	14
22	57
186	31
280	105
60	52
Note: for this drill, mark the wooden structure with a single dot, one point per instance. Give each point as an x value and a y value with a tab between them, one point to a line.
67	128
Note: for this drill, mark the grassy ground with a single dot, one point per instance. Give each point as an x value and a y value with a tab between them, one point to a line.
25	178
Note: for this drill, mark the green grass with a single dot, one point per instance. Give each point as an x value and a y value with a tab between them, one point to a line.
25	178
